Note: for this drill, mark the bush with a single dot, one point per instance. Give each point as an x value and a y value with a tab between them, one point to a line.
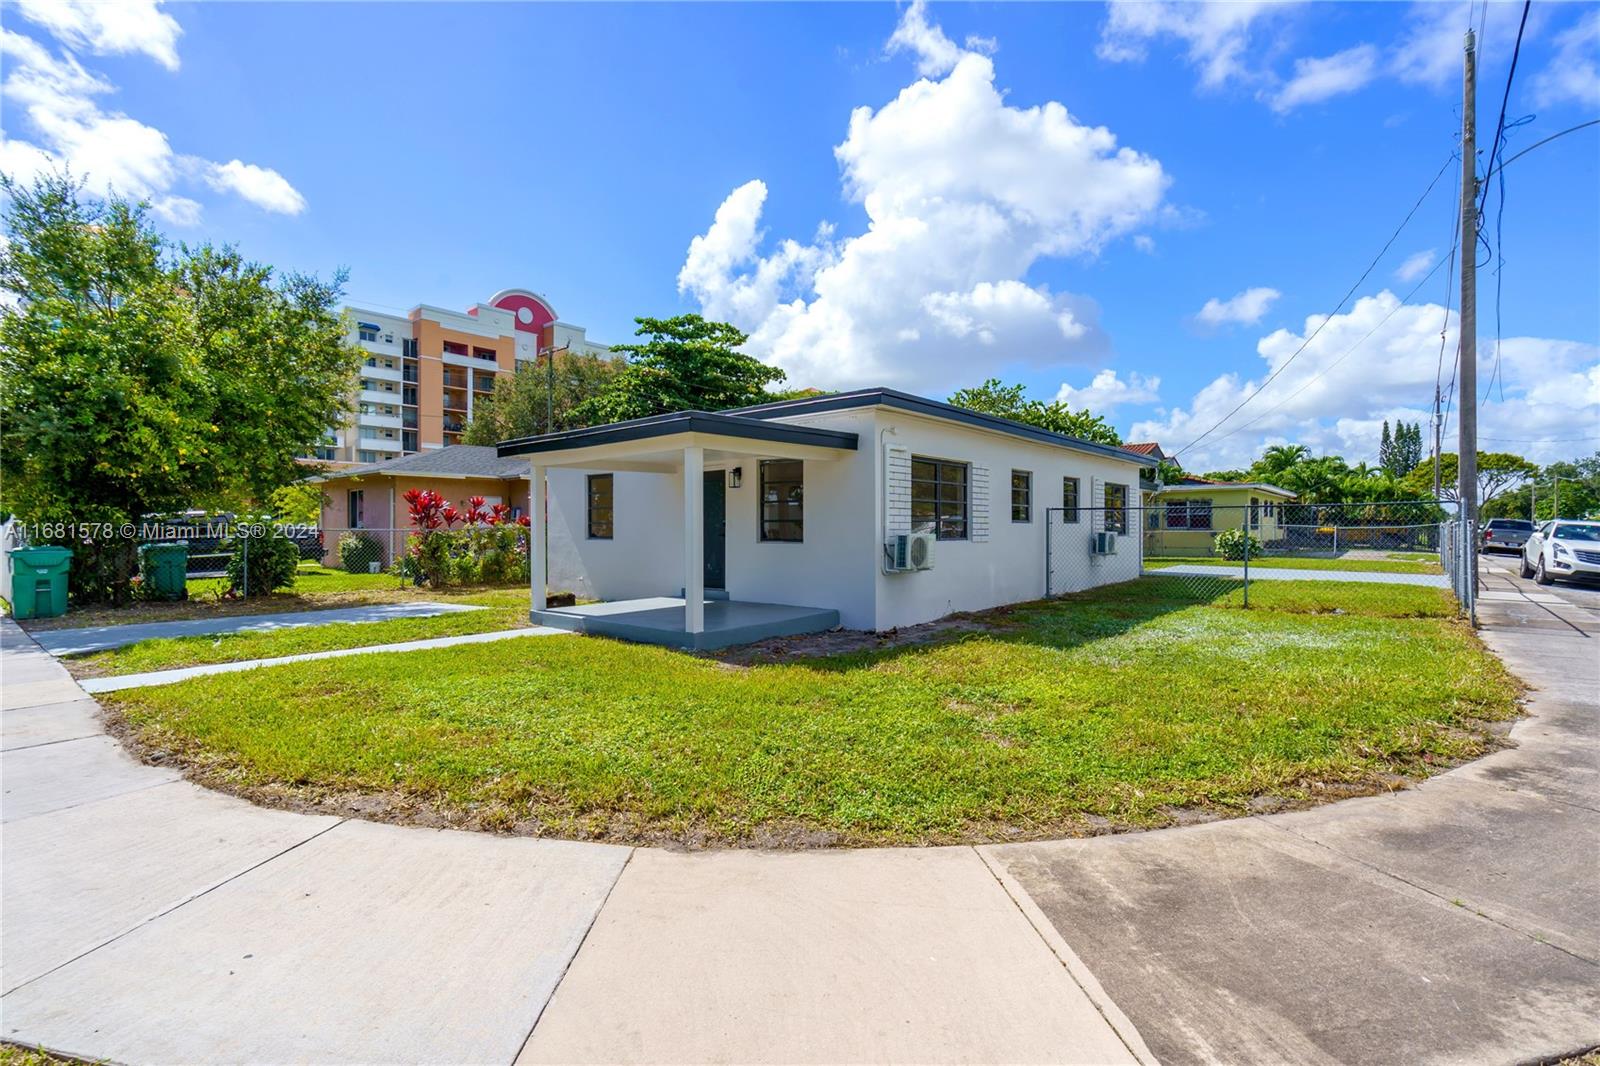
1233	543
357	551
273	559
478	545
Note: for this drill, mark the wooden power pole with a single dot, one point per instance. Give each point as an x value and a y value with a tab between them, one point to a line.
1467	373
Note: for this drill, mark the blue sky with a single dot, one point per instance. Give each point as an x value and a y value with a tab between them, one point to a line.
880	193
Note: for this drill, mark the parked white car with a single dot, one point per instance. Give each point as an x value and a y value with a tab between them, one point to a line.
1562	549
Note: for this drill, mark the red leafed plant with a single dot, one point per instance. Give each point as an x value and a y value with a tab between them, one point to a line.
429	509
487	548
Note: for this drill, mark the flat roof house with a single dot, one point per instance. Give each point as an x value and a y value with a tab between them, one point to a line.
873	509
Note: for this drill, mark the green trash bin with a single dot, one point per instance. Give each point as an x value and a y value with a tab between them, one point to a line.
39	581
166	569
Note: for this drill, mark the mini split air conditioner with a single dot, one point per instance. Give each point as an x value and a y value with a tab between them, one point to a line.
1105	543
908	551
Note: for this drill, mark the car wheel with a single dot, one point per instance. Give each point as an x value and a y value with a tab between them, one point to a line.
1526	570
1541	576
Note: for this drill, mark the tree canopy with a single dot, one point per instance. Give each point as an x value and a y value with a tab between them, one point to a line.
685	363
517	407
1010	401
139	377
1497	472
1574	487
1399	453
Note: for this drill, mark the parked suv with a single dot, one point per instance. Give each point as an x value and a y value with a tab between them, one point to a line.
1562	549
1506	534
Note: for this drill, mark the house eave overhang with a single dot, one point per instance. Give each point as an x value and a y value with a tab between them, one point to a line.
656	443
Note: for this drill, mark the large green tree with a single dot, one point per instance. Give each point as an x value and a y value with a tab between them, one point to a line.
1011	401
1574	486
139	378
518	405
1497	473
686	363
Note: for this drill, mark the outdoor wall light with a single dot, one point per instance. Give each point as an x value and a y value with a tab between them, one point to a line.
735	477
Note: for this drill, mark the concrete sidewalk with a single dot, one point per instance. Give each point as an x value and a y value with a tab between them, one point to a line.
60	642
147	920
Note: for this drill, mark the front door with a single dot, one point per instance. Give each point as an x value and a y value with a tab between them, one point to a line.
716	507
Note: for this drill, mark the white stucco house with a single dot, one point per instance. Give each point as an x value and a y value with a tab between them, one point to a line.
703	530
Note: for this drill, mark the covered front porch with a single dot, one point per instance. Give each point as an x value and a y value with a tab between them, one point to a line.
699	450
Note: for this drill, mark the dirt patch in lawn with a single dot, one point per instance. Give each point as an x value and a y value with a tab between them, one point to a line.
852	641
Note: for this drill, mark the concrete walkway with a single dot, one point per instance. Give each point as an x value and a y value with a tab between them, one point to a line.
146	920
96	685
98	638
1273	573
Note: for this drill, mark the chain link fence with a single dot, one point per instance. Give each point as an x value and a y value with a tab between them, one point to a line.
1458	555
1192	547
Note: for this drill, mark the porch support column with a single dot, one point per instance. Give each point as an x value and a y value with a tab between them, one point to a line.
538	535
694	541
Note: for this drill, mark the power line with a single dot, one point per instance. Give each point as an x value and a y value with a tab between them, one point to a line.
1546	440
1505	97
1350	351
1337	308
1498	251
1539	144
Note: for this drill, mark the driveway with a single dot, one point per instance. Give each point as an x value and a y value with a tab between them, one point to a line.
146	920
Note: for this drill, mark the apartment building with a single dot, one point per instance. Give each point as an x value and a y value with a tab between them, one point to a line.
425	372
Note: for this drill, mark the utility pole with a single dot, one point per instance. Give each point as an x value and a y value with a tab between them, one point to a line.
1467	373
1438	427
550	386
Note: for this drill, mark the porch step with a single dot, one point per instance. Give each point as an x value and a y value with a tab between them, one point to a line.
711	594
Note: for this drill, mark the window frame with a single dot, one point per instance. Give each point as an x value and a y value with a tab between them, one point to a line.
1027	496
762	521
589	508
961	508
1121	509
1069	511
1190	508
355	508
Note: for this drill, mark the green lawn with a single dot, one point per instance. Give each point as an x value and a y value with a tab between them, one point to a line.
507	609
1115	707
312	579
1417	564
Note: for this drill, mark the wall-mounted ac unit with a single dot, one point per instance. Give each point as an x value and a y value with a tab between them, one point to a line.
1105	543
908	551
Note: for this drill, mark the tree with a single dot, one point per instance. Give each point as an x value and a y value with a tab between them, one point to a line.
1399	455
1574	485
1010	401
685	363
1386	457
139	378
1497	472
517	407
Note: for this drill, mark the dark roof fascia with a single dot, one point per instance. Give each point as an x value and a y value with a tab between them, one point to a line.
721	424
905	401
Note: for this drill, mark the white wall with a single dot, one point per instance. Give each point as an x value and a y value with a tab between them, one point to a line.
833	565
644	557
1008	567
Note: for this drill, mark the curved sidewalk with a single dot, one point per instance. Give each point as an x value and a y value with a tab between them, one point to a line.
147	920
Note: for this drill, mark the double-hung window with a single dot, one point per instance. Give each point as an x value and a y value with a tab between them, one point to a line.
939	497
599	507
1116	508
1069	499
1021	496
783	487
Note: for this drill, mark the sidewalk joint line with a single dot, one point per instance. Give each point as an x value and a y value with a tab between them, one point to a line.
181	903
582	940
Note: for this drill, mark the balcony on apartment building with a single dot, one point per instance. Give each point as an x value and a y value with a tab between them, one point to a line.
379	421
457	354
379	444
374	368
376	395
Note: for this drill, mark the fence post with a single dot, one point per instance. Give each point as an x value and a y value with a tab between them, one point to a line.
244	546
1245	524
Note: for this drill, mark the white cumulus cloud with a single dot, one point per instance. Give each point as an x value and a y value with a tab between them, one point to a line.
1217	36
1106	392
963	193
1377	361
57	102
1573	76
1416	265
1245	308
1319	79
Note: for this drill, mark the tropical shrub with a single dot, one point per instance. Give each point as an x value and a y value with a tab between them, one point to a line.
270	558
357	551
1233	543
450	546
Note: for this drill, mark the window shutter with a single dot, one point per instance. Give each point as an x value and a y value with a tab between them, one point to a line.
979	502
897	489
1097	500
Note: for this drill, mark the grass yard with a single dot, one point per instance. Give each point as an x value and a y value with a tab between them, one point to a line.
1416	564
506	609
1112	709
311	579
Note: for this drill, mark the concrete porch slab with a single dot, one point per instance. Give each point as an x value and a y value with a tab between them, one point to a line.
660	620
915	955
369	943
